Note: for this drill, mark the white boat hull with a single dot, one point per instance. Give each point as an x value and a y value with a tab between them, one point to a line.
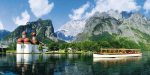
116	56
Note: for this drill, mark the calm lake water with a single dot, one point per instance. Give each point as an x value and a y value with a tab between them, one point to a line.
72	64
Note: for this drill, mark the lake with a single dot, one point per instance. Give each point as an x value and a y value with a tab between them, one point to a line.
72	64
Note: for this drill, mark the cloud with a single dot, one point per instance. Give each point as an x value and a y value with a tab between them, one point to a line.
117	5
104	6
120	5
1	26
78	13
76	24
40	7
25	17
146	6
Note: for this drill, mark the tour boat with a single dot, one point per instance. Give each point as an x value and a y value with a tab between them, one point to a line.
109	60
117	53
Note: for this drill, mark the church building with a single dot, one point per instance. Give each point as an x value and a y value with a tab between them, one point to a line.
25	45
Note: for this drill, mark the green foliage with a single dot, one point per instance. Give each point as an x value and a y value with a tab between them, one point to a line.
40	47
144	35
12	46
97	42
66	51
144	46
53	46
102	37
104	40
46	41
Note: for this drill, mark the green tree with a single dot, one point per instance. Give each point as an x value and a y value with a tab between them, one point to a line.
40	47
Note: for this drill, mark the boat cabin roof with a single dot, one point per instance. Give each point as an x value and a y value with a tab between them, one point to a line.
123	49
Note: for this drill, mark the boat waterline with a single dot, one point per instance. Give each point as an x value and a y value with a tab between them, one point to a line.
116	59
116	56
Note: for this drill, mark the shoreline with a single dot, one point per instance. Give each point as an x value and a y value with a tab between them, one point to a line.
52	52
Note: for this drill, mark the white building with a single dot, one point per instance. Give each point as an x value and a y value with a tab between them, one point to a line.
25	45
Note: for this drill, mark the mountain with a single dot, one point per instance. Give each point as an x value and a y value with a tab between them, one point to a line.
61	35
73	27
43	28
115	14
97	24
102	26
3	33
126	14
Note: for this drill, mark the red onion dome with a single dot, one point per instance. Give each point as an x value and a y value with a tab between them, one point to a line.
26	40
23	32
33	34
20	40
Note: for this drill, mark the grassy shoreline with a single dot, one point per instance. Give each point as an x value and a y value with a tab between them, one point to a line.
55	52
10	51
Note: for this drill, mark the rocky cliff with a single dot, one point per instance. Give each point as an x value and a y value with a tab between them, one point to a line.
136	27
43	28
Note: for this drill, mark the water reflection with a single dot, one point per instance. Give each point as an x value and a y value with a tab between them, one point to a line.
30	64
26	58
52	64
71	64
116	60
125	66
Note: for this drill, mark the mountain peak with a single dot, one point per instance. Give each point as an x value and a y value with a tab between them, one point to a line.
73	27
43	28
3	33
135	28
136	15
115	14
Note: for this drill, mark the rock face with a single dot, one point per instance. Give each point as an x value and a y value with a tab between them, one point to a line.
136	27
43	28
3	33
73	27
61	35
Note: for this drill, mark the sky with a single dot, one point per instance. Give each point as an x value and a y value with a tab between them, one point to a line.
14	13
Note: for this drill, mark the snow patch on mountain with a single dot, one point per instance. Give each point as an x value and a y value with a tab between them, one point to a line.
73	27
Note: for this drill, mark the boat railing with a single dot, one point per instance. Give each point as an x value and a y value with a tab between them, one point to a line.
119	51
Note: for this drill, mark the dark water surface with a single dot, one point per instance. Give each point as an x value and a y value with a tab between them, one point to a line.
72	64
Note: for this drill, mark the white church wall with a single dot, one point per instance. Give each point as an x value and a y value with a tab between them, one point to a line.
20	48
27	48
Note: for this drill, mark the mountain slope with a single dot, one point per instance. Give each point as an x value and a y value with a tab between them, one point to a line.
61	35
136	28
3	33
97	24
73	27
43	28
